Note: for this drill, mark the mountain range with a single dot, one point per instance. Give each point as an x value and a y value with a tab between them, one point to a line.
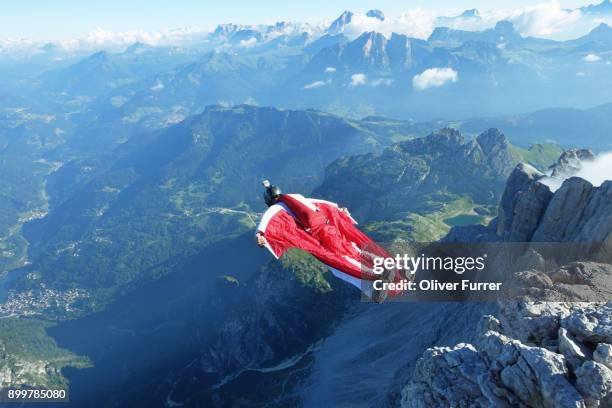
356	73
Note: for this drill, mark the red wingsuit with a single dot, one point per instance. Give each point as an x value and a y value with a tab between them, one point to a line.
322	229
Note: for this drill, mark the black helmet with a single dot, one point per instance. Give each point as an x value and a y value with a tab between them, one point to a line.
271	193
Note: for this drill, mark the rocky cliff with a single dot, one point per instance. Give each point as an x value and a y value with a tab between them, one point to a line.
530	211
534	354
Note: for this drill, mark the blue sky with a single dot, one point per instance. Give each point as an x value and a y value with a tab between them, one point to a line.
63	19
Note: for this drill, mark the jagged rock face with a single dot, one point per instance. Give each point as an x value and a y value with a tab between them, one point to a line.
578	212
529	211
339	24
594	381
603	354
494	146
439	369
533	375
555	368
523	203
564	211
592	324
368	50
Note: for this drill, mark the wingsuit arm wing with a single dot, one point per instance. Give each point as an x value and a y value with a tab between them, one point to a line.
282	233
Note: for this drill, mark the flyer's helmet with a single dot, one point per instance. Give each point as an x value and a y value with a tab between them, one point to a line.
271	193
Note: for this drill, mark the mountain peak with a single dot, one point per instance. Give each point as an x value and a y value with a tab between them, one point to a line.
440	34
137	48
471	13
224	29
375	13
570	162
602	34
448	136
601	28
370	34
339	24
505	31
505	27
369	48
491	140
99	56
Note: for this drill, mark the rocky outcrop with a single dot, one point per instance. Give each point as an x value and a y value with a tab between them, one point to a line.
556	367
578	212
532	353
456	374
529	211
524	201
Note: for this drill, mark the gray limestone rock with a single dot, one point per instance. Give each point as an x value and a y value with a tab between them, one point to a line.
594	381
603	354
523	203
592	323
575	354
564	214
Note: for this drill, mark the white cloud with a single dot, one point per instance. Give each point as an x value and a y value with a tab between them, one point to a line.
547	19
485	19
358	79
101	37
434	77
595	171
598	170
248	43
158	85
382	81
544	19
109	40
315	84
417	23
329	70
592	58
